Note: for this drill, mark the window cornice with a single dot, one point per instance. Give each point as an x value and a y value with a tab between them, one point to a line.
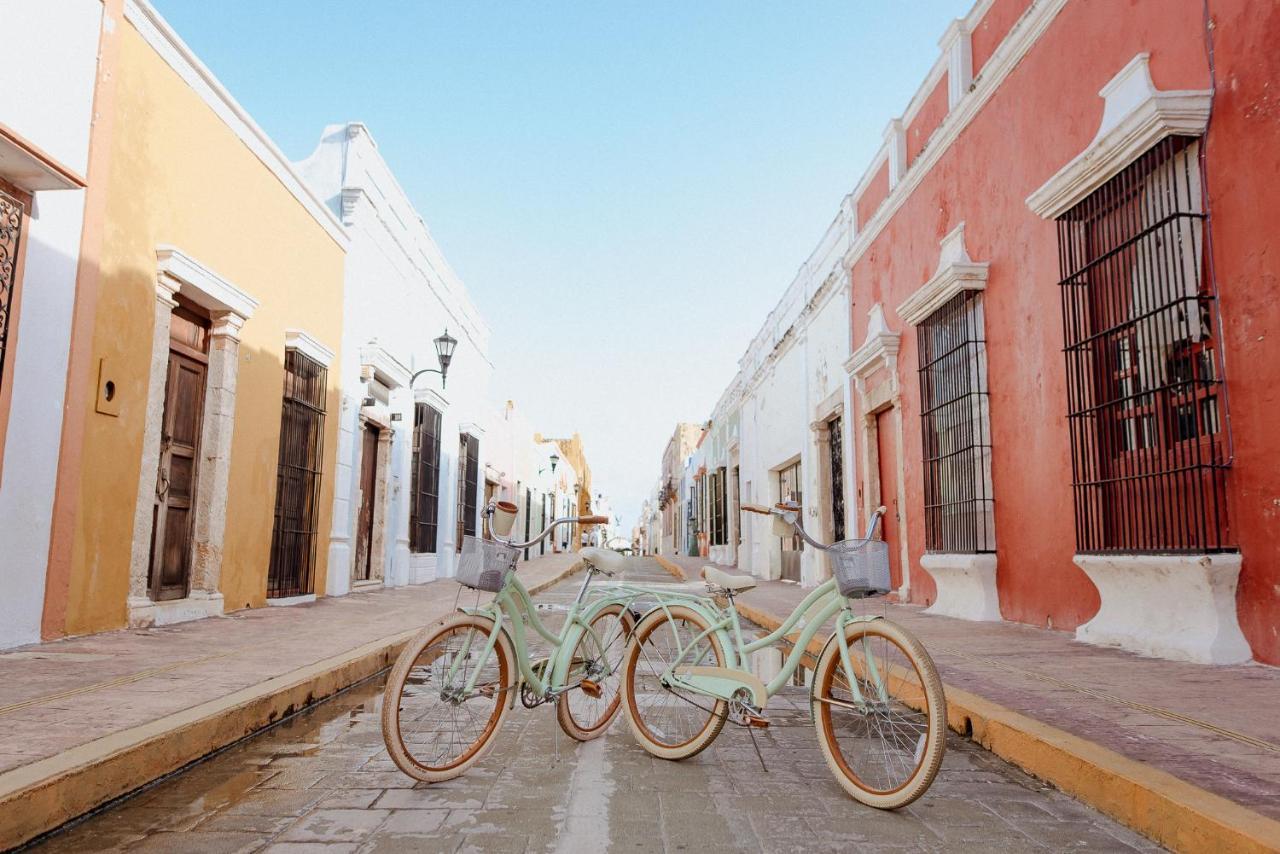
1135	118
956	272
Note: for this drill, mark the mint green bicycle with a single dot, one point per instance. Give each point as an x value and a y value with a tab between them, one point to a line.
876	698
450	689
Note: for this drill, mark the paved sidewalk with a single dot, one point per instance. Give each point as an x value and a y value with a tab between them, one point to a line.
68	704
1213	727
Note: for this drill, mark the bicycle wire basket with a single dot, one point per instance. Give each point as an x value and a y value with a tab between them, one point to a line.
486	564
861	567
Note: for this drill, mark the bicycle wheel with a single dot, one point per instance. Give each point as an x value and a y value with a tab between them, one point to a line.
885	749
432	731
597	657
668	722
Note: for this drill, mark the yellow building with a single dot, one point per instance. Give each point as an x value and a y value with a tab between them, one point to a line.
197	465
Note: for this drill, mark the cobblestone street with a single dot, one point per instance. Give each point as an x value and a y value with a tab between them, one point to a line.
322	781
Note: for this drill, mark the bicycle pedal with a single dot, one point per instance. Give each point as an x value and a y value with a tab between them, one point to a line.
591	689
757	721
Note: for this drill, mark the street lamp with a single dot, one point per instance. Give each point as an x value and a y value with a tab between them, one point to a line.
554	458
444	353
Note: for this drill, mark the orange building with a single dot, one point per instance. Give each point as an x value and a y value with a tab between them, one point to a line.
1063	300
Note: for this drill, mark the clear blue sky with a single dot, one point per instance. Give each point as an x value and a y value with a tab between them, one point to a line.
626	188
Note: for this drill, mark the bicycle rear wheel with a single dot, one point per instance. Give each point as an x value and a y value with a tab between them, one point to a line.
669	722
433	731
884	743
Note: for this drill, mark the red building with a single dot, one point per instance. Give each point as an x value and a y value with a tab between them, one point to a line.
1065	310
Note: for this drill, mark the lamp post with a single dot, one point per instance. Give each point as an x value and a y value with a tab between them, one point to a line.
444	353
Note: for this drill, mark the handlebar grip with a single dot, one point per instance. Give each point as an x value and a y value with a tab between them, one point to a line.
881	510
593	520
756	508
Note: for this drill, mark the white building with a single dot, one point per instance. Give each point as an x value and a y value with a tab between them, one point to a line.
532	475
46	107
409	459
778	431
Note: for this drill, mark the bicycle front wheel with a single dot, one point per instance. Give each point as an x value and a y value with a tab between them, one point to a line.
667	721
434	728
586	712
884	741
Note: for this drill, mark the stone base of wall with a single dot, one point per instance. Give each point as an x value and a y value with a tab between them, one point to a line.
1181	607
966	586
144	613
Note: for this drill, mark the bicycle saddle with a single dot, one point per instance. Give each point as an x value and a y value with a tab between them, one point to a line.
727	580
606	560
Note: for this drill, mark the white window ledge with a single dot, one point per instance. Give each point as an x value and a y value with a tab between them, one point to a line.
308	345
966	586
1136	116
1181	607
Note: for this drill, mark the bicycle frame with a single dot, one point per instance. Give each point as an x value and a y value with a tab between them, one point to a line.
513	605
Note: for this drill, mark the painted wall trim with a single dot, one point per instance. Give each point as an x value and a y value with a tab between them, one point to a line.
25	165
215	293
879	345
377	363
308	345
966	586
155	30
1135	118
956	272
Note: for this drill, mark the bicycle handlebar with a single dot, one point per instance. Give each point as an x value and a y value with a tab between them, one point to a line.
784	509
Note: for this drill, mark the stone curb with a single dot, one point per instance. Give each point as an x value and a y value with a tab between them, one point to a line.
1168	810
42	796
675	569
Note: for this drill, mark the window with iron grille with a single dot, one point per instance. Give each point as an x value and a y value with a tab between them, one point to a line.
835	439
956	428
1144	375
12	211
293	538
468	485
424	510
719	516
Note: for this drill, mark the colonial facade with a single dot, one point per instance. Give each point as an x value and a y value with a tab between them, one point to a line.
1056	293
410	454
220	382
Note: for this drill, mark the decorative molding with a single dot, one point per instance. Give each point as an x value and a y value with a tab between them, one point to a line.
227	324
956	272
200	284
155	30
304	343
1135	118
957	47
879	347
1011	50
350	198
377	363
895	140
432	397
29	168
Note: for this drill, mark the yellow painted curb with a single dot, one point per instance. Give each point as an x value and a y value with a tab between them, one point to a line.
44	795
1169	810
674	569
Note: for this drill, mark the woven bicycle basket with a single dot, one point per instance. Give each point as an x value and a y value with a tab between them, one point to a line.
861	567
486	564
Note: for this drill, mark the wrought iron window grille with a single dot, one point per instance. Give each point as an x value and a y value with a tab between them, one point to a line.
959	505
424	488
1146	401
298	474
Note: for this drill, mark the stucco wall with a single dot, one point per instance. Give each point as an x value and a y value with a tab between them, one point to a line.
56	121
1045	113
180	175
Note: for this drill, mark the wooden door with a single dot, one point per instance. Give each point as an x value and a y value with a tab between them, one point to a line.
887	448
789	489
364	565
183	418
